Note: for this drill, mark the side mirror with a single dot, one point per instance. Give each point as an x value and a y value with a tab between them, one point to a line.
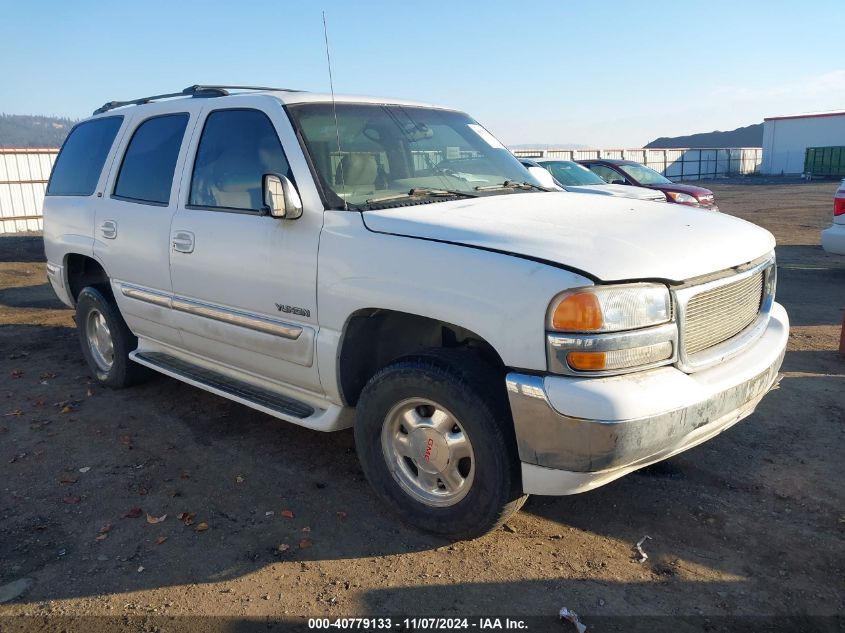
616	181
281	199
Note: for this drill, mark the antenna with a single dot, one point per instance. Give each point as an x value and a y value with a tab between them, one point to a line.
334	110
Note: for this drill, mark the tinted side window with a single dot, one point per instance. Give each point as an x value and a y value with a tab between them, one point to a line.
147	170
80	162
606	173
236	149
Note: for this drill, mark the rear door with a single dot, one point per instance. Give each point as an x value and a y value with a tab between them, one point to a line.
133	223
244	283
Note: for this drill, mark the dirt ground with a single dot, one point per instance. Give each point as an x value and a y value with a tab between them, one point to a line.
751	523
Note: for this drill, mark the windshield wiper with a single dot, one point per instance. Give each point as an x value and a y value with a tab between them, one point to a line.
512	184
419	192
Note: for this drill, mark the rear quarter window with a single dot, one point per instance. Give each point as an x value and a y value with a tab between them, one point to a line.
83	154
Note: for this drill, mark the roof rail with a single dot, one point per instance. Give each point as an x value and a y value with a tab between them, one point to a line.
190	91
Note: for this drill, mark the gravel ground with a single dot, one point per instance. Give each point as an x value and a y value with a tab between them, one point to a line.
162	501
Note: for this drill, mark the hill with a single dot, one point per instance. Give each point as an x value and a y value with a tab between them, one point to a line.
22	130
748	136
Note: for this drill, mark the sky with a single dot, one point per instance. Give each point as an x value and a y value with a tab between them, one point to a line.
613	73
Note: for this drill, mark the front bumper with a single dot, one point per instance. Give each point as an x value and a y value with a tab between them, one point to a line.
575	434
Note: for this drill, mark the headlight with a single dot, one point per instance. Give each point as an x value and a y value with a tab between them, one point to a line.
610	308
682	198
603	330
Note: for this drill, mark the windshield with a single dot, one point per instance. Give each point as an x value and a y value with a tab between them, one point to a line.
571	174
392	154
644	175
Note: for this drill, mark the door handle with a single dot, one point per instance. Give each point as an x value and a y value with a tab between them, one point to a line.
109	229
183	242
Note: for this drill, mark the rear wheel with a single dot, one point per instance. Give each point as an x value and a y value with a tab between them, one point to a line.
106	339
436	442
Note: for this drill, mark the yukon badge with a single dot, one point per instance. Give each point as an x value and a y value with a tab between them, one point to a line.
293	310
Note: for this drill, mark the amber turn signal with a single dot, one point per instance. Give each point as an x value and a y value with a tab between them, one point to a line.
579	312
587	361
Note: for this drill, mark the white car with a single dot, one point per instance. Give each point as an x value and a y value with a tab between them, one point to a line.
388	265
578	179
833	238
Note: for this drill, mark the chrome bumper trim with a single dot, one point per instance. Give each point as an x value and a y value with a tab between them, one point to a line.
550	439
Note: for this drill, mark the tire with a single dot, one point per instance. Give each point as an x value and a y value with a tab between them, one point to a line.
106	340
410	450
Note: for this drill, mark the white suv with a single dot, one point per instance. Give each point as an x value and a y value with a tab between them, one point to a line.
389	265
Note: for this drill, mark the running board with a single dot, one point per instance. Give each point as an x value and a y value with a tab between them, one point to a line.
261	399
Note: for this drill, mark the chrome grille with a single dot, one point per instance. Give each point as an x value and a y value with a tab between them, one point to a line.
718	314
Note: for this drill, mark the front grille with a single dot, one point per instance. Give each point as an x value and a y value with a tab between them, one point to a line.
716	315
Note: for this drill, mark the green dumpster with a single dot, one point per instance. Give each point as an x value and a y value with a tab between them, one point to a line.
825	161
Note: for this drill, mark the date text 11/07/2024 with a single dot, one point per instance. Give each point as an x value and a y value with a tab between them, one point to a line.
419	624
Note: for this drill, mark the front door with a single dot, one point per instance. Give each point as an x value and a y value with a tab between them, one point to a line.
244	283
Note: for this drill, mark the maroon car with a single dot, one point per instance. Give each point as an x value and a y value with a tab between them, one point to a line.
628	172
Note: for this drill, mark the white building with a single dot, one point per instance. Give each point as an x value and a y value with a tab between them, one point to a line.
786	138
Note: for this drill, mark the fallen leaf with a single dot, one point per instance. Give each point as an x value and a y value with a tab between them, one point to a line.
47	375
153	520
186	517
160	540
72	500
66	409
184	476
14	412
305	543
288	514
201	527
134	513
101	537
126	440
68	479
341	514
105	529
84	469
17	373
239	479
283	547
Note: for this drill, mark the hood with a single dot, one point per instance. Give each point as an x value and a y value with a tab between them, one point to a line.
624	191
606	237
690	189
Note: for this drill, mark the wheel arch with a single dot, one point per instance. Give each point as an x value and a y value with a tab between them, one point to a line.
374	337
84	270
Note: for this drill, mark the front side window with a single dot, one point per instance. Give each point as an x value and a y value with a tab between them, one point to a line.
146	174
645	175
388	154
572	174
236	149
83	155
606	173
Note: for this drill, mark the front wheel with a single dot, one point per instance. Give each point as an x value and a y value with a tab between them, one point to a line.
436	442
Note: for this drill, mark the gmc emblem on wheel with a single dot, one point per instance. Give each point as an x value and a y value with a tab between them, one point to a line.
428	448
293	310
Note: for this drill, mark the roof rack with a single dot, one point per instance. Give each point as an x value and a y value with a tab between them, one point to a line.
190	91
